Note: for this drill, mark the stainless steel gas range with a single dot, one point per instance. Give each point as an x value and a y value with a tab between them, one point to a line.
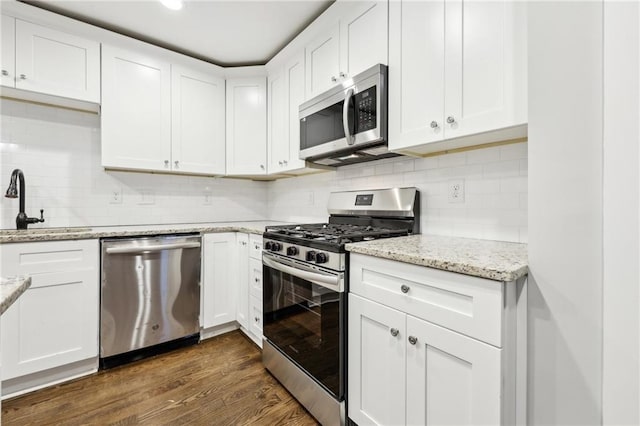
305	281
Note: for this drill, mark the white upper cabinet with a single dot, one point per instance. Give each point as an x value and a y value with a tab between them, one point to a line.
160	116
363	36
323	61
8	53
197	117
246	126
357	41
457	70
44	60
286	93
136	111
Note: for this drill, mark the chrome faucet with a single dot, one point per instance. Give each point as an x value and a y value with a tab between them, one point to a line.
22	221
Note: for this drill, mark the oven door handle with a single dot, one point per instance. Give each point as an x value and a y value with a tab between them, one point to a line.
332	282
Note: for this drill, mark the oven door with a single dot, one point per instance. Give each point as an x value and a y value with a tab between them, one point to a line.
305	318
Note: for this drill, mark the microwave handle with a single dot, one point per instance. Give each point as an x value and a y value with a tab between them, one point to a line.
345	117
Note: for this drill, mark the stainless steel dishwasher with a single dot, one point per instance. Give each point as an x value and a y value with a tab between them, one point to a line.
150	296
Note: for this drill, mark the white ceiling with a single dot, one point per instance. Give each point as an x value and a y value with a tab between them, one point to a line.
228	33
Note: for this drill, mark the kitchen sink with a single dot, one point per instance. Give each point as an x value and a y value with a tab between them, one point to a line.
42	231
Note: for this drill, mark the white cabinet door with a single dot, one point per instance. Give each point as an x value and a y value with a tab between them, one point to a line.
219	277
57	63
8	53
246	126
451	379
416	72
56	321
278	141
198	120
323	61
485	66
376	364
136	111
363	37
242	290
294	72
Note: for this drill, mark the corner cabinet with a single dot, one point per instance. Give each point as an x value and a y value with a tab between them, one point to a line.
432	347
44	60
51	332
246	126
356	42
457	74
160	116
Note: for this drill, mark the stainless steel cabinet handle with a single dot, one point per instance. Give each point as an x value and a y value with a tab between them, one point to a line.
405	288
342	75
334	79
394	332
434	124
149	249
5	72
451	120
413	340
23	77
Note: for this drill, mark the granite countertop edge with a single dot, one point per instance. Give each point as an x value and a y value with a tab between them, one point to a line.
494	260
249	227
11	289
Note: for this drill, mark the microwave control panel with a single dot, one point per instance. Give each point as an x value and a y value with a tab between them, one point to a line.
366	110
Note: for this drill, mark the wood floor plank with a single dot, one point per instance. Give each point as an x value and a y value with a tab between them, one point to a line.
221	381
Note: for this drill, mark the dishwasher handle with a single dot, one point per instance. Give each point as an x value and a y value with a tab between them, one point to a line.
148	249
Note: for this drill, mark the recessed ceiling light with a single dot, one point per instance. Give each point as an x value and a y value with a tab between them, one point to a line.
172	4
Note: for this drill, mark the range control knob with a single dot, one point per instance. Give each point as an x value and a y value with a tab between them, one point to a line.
268	245
311	256
292	251
276	246
321	258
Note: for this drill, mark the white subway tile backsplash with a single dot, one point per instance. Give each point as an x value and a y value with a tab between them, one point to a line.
59	151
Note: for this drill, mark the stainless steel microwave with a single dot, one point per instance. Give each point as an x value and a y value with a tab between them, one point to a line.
348	123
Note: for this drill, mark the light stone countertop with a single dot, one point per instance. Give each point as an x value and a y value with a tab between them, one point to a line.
11	289
495	260
52	234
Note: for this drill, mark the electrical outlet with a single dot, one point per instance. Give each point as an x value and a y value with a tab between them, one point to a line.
208	197
147	197
116	196
456	191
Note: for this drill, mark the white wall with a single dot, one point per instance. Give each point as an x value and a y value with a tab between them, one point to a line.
621	307
495	179
565	213
59	152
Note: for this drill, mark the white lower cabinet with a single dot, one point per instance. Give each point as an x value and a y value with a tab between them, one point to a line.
218	278
53	326
232	284
412	363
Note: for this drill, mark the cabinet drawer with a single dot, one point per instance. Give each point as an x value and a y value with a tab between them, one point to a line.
469	305
47	257
255	247
255	317
255	278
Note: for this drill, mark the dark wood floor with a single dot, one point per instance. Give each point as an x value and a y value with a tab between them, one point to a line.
221	381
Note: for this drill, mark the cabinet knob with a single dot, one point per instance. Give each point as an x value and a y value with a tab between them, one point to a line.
257	319
451	120
342	75
434	124
5	73
166	163
334	79
177	163
280	163
257	279
394	332
413	340
23	77
405	288
262	166
285	162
